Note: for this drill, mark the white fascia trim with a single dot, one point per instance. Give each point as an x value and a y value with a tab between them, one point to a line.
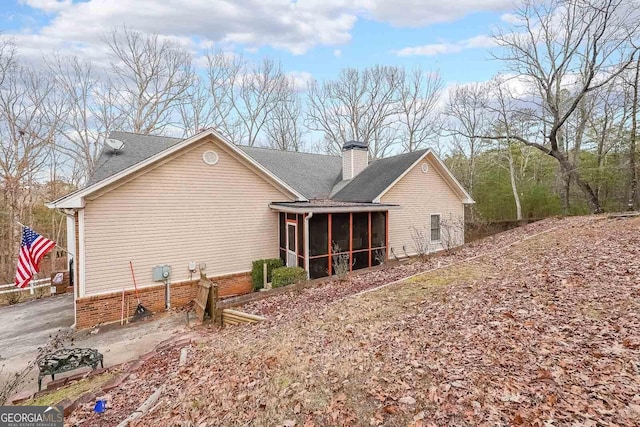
337	209
76	200
466	199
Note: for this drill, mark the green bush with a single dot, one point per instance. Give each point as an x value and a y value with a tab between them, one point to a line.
256	271
284	276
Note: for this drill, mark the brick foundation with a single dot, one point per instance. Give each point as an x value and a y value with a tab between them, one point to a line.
106	308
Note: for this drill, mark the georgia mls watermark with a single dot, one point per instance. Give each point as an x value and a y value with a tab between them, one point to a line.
31	416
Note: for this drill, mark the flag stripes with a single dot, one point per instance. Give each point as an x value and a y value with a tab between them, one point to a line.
32	249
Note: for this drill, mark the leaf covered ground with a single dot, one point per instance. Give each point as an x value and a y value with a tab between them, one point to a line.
539	326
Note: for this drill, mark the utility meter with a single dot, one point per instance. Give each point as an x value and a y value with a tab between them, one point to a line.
161	273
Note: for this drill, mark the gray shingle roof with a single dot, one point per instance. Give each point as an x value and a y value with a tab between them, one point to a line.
316	176
136	149
376	177
313	175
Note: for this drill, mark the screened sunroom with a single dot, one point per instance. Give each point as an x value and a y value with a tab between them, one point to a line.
337	232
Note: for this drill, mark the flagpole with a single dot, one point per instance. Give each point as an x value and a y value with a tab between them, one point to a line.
57	246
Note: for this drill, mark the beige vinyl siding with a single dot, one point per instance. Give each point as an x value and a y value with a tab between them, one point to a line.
182	211
420	195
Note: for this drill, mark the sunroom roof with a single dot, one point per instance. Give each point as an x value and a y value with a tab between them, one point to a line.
329	206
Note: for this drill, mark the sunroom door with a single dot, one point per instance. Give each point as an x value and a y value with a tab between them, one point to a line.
292	244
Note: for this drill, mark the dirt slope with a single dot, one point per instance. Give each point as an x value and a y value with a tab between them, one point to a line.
543	332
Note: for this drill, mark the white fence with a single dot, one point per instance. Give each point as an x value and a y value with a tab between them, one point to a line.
33	285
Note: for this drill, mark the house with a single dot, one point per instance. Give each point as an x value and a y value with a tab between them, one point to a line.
204	203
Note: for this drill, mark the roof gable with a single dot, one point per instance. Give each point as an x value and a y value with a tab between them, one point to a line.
313	175
76	199
376	177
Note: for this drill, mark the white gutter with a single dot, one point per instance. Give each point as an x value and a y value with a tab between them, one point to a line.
335	209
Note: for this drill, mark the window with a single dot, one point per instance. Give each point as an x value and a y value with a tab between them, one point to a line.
435	228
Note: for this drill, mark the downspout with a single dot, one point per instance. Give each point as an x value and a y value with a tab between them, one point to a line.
306	241
70	213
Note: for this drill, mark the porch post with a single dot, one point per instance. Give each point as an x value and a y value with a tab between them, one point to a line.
350	241
386	233
329	249
370	247
307	217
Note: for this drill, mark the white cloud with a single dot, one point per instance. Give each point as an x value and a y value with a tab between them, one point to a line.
429	49
481	41
290	25
337	53
417	13
510	18
300	79
282	24
48	6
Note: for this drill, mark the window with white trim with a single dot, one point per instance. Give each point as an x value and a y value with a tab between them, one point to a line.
435	228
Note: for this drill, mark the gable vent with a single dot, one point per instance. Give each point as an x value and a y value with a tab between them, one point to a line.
210	157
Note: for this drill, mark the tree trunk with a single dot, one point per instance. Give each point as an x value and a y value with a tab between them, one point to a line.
572	173
633	180
566	192
514	188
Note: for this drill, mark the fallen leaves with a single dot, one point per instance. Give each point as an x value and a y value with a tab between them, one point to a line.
544	332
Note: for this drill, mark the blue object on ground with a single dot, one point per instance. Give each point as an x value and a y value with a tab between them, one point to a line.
100	407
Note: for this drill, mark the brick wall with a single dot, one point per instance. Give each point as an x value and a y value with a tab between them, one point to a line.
106	308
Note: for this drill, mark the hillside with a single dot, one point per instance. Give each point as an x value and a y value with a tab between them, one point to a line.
539	326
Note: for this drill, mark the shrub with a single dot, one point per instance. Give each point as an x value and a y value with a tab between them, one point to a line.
256	271
341	264
284	276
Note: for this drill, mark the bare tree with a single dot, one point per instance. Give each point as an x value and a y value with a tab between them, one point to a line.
26	133
504	112
88	116
358	105
153	76
7	56
254	93
419	94
606	128
223	71
633	134
284	128
196	114
467	120
567	49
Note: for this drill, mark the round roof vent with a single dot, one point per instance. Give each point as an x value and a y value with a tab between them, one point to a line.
425	168
210	157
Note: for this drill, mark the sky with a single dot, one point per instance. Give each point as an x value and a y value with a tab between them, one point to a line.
311	38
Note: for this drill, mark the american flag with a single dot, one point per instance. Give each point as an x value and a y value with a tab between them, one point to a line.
32	249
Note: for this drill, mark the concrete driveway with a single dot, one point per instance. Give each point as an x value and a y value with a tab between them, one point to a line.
26	326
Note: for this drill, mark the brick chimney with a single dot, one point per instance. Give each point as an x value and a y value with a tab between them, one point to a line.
355	158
